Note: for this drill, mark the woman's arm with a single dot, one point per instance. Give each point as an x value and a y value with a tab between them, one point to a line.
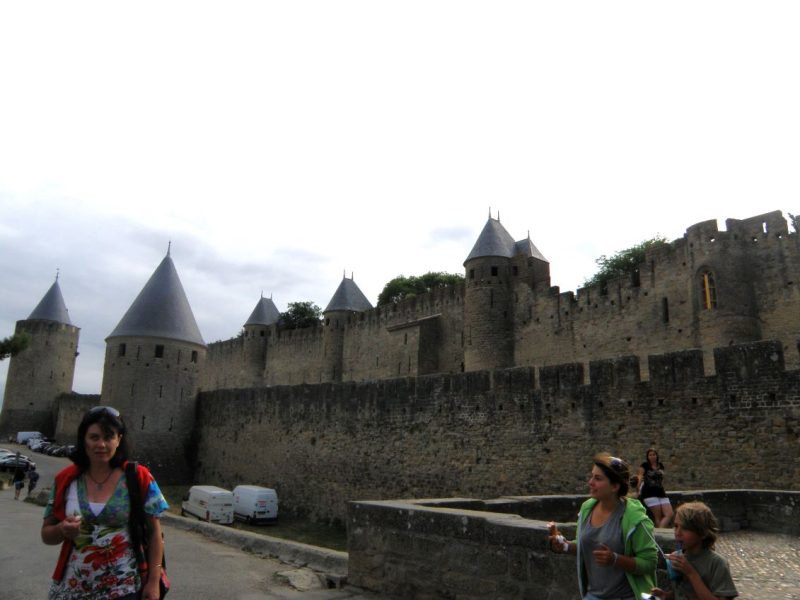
56	532
155	559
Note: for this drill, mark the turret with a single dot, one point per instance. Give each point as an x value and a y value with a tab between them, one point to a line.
494	267
257	330
45	369
347	299
153	359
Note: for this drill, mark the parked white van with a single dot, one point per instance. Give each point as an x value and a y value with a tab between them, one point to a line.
24	436
209	503
255	504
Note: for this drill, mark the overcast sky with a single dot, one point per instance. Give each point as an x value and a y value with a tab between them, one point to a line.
278	143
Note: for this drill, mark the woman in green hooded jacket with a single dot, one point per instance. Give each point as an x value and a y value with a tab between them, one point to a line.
616	552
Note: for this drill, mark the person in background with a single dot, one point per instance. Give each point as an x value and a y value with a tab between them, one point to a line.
33	479
706	575
617	555
19	477
88	515
652	494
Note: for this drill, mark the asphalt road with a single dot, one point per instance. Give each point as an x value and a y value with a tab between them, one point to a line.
199	568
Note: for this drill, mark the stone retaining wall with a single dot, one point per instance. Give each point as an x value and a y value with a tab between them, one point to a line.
455	548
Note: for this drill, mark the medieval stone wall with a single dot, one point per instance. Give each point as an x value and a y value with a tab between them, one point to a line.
296	356
506	314
516	431
227	367
420	335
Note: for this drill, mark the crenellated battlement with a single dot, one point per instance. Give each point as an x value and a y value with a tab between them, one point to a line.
709	288
511	431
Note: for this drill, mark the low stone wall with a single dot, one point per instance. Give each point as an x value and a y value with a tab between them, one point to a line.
414	551
457	548
770	511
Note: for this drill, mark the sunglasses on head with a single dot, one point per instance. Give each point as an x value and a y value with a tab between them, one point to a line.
616	462
109	410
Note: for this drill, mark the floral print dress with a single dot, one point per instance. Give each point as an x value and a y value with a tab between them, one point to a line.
102	563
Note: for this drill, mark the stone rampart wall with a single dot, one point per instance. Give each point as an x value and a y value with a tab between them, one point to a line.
69	411
226	366
507	432
462	548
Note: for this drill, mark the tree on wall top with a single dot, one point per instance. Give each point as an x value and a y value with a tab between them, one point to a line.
402	287
13	345
300	315
623	263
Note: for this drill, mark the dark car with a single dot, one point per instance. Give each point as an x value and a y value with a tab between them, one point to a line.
9	463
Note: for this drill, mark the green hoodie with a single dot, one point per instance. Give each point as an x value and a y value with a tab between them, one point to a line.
637	530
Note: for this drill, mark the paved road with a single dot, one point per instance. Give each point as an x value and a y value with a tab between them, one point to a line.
199	568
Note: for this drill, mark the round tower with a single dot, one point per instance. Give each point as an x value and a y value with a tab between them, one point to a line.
347	299
152	364
488	303
45	369
257	330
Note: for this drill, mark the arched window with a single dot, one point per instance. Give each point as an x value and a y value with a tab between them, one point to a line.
709	290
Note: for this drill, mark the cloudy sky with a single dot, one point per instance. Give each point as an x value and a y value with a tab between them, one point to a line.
278	143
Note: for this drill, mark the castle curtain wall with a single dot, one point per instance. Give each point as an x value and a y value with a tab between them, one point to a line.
508	432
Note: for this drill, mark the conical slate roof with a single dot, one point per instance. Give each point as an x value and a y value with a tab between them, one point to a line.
51	307
161	309
526	248
348	296
494	240
265	313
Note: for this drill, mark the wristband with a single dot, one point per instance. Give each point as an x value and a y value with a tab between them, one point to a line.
614	564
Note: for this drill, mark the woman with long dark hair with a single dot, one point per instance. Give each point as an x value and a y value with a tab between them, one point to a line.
652	493
88	514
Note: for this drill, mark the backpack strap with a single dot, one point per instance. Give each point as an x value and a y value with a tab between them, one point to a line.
137	526
137	520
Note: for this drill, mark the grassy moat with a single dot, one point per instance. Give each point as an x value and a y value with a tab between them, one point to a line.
288	526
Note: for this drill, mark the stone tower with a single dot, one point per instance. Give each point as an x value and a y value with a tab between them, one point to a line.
727	271
153	360
257	330
45	369
347	299
494	267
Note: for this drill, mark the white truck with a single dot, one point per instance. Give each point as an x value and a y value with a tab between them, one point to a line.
24	436
255	504
209	503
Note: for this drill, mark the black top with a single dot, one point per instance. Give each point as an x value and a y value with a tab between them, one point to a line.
653	481
19	474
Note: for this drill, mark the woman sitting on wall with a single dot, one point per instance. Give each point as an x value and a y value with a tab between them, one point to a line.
616	552
88	513
651	476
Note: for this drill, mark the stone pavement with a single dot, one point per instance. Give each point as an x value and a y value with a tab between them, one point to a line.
763	565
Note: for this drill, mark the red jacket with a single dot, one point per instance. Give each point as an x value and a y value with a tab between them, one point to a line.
63	478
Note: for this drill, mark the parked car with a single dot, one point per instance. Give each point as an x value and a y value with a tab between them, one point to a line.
34	442
209	503
255	504
4	453
9	463
43	448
